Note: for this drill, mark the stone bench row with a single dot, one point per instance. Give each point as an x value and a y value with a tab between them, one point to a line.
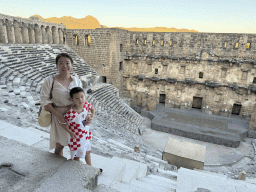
111	102
115	120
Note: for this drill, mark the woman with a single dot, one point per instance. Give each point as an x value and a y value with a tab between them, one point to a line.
60	102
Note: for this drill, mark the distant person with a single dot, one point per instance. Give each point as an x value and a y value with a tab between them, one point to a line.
78	118
60	103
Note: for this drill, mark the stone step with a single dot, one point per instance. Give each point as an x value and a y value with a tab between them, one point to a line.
134	170
125	187
113	170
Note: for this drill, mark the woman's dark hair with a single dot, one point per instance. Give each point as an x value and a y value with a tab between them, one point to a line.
75	90
63	55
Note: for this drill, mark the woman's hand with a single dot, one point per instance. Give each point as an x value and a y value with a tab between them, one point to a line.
61	119
72	135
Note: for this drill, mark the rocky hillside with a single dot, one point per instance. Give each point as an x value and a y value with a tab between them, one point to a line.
90	22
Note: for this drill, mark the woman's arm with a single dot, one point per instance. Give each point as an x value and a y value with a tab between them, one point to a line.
72	135
47	102
56	113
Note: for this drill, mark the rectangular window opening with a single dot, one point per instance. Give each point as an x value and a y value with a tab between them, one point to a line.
137	42
248	45
201	75
121	47
162	43
154	42
156	71
104	79
145	41
254	80
121	66
225	45
237	44
170	43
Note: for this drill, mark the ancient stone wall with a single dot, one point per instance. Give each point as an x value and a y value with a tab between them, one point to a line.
211	71
100	48
16	30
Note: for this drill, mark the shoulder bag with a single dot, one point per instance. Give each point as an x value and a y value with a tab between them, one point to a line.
44	116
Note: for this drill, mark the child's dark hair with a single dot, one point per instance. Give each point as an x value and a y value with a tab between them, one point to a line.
63	55
75	90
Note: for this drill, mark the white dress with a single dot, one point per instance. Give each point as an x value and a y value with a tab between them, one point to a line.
61	99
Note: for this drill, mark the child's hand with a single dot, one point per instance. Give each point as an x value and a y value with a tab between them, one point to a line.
73	135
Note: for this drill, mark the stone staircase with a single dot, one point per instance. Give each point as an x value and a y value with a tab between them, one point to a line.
125	175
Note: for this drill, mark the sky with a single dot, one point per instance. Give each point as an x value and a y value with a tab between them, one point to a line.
217	16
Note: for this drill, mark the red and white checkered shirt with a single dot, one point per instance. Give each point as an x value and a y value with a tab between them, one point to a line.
76	125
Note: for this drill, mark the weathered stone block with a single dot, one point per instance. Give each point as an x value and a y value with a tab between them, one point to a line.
184	154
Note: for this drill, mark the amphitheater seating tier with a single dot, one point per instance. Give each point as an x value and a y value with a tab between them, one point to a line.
23	68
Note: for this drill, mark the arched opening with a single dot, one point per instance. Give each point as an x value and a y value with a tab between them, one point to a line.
54	35
75	40
43	34
87	40
156	71
48	35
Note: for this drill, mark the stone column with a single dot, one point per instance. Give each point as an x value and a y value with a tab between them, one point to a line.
24	32
31	34
17	32
10	33
49	35
38	35
60	36
55	37
43	35
3	33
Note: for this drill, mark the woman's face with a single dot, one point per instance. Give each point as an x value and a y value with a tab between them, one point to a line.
64	65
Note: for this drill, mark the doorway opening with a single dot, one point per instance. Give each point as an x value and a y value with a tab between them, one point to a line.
197	102
236	109
162	98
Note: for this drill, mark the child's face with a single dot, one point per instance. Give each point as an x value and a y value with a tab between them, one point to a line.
79	99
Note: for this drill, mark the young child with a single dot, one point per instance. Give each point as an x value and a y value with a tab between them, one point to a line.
79	116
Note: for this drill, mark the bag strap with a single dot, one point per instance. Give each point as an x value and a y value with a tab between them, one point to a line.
52	87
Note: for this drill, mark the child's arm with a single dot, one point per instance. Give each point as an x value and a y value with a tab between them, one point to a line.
65	126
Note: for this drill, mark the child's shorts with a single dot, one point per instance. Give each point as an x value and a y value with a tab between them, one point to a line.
81	151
